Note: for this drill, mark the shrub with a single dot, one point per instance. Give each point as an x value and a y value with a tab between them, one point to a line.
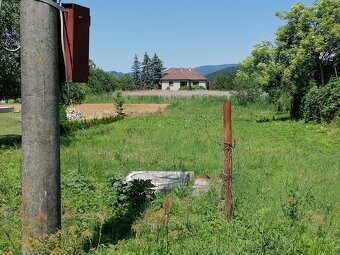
283	104
223	83
323	104
198	88
119	102
246	94
184	88
72	126
73	93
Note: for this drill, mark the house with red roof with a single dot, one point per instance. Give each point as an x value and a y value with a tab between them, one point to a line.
175	78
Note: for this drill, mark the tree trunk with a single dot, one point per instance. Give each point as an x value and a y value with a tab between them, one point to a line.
321	74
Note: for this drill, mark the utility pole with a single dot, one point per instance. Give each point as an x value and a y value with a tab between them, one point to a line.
228	150
40	120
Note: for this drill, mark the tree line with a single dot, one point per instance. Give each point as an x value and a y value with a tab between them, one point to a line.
148	74
300	71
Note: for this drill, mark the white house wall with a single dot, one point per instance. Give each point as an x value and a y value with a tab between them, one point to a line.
203	84
175	86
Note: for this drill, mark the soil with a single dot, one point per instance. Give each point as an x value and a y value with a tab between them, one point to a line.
92	111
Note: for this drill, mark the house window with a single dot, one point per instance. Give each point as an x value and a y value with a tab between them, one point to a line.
184	83
195	83
171	83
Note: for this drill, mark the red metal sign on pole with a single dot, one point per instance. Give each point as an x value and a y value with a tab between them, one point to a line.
228	149
76	42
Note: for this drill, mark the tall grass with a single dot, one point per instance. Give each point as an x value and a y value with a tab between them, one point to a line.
286	182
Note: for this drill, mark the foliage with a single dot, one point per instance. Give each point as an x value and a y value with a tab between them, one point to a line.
308	48
73	93
126	83
146	72
306	54
323	104
9	61
156	71
184	88
136	73
101	81
252	78
196	87
119	102
223	83
151	73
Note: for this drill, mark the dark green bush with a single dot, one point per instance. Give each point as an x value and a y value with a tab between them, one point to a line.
73	93
184	88
72	126
223	83
245	95
196	87
323	104
118	100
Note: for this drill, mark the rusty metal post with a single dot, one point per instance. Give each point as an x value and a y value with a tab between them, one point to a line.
228	148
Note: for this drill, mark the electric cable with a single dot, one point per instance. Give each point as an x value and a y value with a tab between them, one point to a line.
63	43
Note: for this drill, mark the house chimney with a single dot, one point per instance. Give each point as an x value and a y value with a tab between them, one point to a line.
190	69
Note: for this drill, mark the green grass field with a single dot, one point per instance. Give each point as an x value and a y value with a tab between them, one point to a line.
9	124
286	184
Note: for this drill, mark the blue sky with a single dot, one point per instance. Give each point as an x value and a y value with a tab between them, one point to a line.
184	33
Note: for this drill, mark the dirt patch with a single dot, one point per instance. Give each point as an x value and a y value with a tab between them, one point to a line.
92	111
98	111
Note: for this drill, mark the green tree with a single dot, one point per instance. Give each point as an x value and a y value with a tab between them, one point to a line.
146	72
308	48
101	81
126	83
157	69
9	60
254	74
136	73
223	83
306	54
119	101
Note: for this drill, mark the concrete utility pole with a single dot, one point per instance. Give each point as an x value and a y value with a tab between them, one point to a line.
40	120
228	150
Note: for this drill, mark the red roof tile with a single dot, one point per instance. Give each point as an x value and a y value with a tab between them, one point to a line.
182	74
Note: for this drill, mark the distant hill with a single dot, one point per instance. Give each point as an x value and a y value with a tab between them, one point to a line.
212	68
225	72
204	70
118	74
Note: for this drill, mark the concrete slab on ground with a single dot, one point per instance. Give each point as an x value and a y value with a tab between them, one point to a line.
201	186
4	109
162	180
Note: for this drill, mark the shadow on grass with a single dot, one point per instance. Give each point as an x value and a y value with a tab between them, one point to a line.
274	118
130	201
9	141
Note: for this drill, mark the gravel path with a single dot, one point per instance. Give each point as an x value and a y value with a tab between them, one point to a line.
178	93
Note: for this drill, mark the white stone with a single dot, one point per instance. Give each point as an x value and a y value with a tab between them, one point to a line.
201	186
162	180
6	109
